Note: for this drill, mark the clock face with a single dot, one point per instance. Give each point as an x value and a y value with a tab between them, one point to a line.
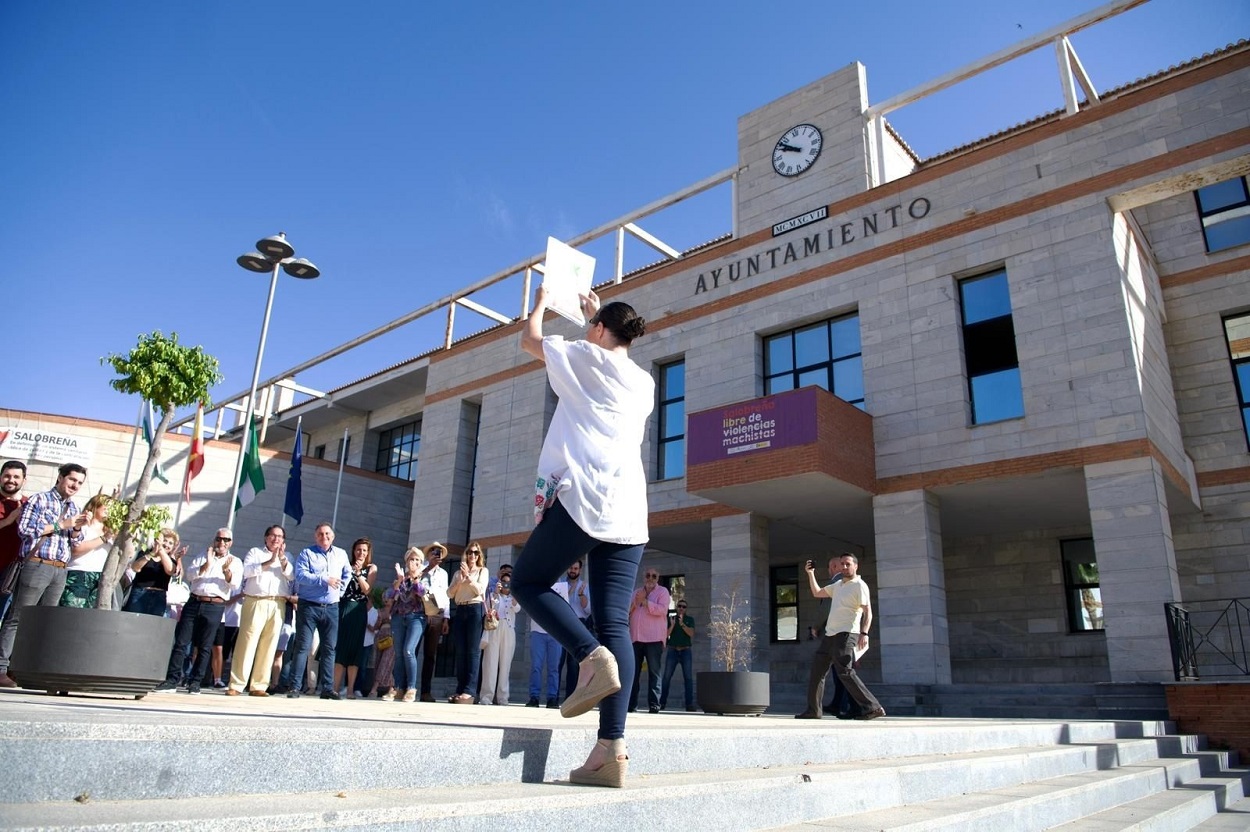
797	150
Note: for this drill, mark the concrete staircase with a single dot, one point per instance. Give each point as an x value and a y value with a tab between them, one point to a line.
177	762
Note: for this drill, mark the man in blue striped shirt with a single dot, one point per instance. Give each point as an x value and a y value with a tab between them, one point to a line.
51	524
321	573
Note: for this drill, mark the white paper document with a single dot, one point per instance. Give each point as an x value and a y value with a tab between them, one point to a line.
567	274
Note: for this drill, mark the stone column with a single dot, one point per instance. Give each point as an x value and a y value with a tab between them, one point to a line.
909	605
740	560
1128	511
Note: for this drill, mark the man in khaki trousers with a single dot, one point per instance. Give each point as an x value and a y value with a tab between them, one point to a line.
266	585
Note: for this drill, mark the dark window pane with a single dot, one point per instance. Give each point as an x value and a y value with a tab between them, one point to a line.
811	345
779	355
845	333
848	379
985	297
997	396
990	346
786	573
1222	195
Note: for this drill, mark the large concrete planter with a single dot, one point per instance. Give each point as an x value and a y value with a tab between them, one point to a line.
91	651
733	692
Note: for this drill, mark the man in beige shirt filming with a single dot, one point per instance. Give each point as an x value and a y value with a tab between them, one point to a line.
850	618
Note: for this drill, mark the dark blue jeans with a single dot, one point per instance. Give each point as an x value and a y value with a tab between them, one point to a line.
554	545
466	630
146	601
673	658
406	630
197	627
324	618
653	652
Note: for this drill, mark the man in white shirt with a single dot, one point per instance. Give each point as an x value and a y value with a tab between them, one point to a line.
850	618
579	600
215	577
266	584
437	614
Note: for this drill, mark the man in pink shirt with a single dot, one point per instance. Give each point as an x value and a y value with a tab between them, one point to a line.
648	626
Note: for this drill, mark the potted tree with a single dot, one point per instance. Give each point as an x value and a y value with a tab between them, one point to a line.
102	650
735	689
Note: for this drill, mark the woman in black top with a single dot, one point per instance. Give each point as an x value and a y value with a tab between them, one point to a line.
353	613
153	569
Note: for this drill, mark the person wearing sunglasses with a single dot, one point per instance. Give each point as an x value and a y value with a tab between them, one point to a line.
677	652
590	502
215	577
648	628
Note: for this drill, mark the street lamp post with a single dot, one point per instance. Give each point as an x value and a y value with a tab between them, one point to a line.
272	253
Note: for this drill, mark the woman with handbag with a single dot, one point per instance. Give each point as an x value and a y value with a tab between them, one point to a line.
406	597
153	570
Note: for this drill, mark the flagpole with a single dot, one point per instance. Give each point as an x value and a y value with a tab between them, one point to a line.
339	484
133	439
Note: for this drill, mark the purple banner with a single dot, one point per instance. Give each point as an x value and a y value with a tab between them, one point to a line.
780	421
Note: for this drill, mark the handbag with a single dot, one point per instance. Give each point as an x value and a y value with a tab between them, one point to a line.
386	642
490	622
8	581
177	593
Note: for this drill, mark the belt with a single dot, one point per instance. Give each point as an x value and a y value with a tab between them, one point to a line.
266	597
209	599
319	603
57	563
679	649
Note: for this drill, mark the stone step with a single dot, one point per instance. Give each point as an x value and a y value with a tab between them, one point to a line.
1187	806
1038	805
1235	817
718	801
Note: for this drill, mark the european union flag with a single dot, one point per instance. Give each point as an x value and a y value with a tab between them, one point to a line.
294	506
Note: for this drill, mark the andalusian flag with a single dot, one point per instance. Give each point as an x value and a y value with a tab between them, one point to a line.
149	426
195	458
252	478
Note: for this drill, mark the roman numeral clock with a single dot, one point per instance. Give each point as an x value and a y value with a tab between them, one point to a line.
797	149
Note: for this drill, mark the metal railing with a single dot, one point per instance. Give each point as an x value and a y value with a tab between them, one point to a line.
1209	638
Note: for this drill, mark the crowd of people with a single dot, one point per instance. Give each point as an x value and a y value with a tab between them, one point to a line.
260	624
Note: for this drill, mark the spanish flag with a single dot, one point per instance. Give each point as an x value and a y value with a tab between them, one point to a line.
195	459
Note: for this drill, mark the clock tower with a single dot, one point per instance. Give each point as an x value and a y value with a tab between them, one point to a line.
804	150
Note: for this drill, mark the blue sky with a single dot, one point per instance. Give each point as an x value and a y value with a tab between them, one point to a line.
411	148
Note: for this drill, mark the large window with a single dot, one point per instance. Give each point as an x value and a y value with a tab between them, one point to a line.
990	348
826	354
1080	580
1224	209
672	434
783	616
1237	331
397	451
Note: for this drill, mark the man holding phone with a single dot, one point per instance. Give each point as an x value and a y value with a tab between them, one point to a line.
846	628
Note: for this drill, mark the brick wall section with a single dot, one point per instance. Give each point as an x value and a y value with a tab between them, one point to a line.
1220	710
843	449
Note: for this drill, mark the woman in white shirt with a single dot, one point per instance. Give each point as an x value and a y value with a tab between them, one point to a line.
87	557
591	502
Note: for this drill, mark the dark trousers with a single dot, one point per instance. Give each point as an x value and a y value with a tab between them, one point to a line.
838	652
197	627
324	618
433	635
466	629
653	652
553	546
672	658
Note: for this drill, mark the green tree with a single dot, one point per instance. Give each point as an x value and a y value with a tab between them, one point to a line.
169	375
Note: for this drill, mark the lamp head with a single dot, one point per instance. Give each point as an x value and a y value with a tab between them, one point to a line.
301	268
276	248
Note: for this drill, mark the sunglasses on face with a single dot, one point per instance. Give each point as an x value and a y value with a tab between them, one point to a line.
652	575
223	540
